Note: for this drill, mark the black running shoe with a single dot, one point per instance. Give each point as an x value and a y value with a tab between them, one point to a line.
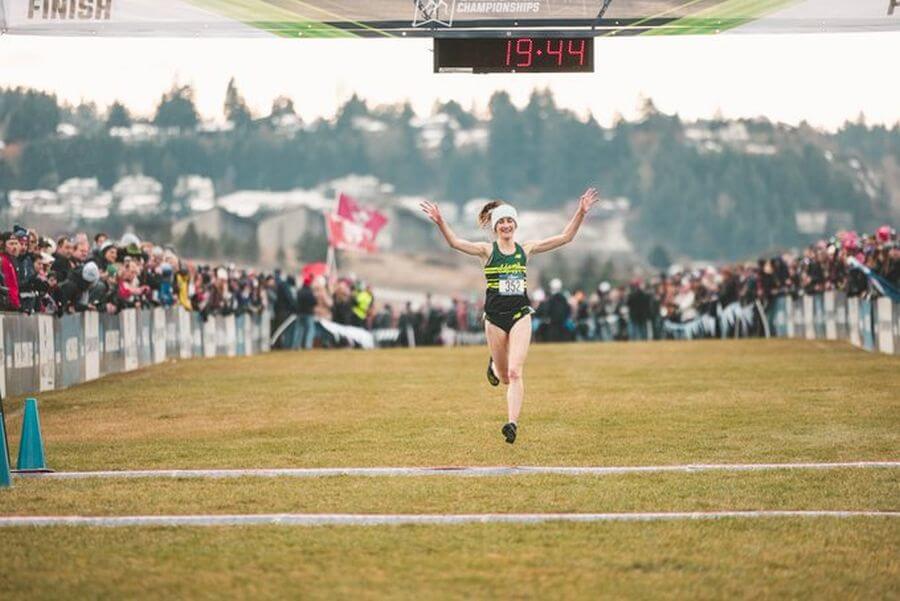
493	380
509	431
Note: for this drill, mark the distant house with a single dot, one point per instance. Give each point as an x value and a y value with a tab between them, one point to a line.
819	223
38	202
66	130
279	234
408	229
39	209
74	199
249	203
137	132
196	193
137	194
217	224
84	199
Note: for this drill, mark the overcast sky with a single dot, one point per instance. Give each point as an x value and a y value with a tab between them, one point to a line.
825	79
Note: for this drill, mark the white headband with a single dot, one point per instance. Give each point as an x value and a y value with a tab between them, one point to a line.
503	211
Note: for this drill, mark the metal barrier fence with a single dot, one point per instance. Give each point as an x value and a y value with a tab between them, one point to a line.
41	352
870	324
873	325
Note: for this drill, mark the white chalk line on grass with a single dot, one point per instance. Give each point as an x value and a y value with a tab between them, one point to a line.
473	471
290	519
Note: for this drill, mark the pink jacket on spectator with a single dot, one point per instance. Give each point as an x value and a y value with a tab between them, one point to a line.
10	280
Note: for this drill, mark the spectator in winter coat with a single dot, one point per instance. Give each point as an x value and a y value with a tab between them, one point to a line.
558	313
73	295
8	262
306	321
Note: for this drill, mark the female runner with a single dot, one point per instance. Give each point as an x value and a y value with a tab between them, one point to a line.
507	310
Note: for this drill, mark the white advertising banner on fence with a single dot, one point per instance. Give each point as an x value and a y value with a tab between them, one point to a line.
91	346
43	352
789	315
884	329
185	335
830	316
129	339
249	343
209	337
230	336
46	353
897	328
853	320
159	335
809	327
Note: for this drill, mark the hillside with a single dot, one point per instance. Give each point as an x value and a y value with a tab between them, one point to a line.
713	189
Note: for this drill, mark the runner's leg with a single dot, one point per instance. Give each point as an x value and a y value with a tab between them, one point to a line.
497	341
519	341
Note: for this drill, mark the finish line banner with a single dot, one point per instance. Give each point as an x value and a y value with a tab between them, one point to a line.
436	18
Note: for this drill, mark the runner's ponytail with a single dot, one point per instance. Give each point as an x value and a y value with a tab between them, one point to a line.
484	216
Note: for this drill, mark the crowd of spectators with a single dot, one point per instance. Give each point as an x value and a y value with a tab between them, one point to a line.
641	308
76	273
866	266
299	306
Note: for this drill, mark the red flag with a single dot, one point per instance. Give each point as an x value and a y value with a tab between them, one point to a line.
367	217
348	235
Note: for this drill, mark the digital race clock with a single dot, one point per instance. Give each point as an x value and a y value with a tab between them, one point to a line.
514	55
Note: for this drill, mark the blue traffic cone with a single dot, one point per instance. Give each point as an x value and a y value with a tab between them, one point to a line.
5	477
31	449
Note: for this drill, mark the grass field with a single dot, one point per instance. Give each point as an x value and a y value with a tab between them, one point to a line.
603	405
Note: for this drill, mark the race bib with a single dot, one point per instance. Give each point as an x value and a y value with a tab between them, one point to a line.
512	284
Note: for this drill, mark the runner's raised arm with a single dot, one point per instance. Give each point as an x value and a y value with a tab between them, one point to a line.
585	203
476	249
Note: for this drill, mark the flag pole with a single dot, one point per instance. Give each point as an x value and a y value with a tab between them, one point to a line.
331	261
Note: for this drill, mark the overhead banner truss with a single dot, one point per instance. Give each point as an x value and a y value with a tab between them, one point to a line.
300	19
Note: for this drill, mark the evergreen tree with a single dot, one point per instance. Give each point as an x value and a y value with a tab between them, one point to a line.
28	115
189	242
352	109
281	106
558	268
347	147
231	247
659	258
250	250
588	274
236	110
118	116
505	143
456	112
177	109
312	247
209	247
86	118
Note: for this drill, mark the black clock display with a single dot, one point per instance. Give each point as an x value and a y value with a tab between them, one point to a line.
514	55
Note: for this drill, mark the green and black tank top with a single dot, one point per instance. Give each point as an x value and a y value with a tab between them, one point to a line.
507	286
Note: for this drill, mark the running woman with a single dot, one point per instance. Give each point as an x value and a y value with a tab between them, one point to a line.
507	310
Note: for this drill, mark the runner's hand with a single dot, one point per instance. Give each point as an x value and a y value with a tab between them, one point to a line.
431	209
587	200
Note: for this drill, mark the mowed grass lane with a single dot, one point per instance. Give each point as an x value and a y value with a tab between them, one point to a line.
633	404
780	558
586	404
